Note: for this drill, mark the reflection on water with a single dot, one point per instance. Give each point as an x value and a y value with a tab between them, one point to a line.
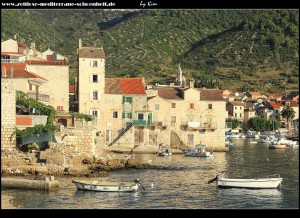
261	198
18	198
181	182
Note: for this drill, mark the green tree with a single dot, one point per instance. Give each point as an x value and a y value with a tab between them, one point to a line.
288	113
258	123
234	122
273	124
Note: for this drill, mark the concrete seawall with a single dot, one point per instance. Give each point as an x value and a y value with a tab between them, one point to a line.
47	184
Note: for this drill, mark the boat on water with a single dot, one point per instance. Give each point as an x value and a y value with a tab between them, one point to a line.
272	181
199	151
106	186
164	150
277	146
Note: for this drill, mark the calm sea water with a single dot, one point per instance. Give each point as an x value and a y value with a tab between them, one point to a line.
183	184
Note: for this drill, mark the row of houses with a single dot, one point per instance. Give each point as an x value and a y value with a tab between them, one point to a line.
125	111
243	106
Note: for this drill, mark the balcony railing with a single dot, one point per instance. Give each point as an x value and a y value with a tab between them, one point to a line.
41	97
10	61
142	123
199	125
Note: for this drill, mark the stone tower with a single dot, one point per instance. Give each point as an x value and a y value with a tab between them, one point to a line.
8	113
91	79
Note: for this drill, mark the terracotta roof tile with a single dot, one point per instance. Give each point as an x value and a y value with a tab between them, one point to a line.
294	104
236	103
22	45
274	96
132	86
18	70
169	93
124	86
273	104
42	62
112	86
210	95
11	52
255	93
87	52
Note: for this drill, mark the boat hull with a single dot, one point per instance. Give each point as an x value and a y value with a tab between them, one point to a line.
105	187
164	154
277	146
200	154
267	183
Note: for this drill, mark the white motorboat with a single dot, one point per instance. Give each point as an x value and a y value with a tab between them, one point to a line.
277	146
104	186
272	181
164	153
198	152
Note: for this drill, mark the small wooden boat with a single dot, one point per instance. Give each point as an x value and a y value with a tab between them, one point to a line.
272	181
103	186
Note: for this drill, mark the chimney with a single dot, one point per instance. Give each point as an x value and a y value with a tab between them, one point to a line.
192	83
80	43
143	81
32	45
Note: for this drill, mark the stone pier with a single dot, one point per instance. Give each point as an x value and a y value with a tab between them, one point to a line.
48	184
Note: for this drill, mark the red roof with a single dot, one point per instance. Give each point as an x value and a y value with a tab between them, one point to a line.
275	96
169	93
18	70
38	62
124	86
274	104
255	93
294	104
132	86
22	45
71	88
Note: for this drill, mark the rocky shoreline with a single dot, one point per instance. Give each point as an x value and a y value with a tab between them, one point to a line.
24	164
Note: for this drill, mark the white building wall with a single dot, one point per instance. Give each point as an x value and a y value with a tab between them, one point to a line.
58	83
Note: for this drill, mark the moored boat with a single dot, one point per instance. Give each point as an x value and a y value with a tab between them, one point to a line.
199	152
164	150
104	186
272	181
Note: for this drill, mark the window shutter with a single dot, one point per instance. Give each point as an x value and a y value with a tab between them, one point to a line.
123	115
91	63
91	112
130	99
123	99
98	113
91	95
98	93
130	115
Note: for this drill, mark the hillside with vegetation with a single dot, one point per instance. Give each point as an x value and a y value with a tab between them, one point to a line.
232	49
